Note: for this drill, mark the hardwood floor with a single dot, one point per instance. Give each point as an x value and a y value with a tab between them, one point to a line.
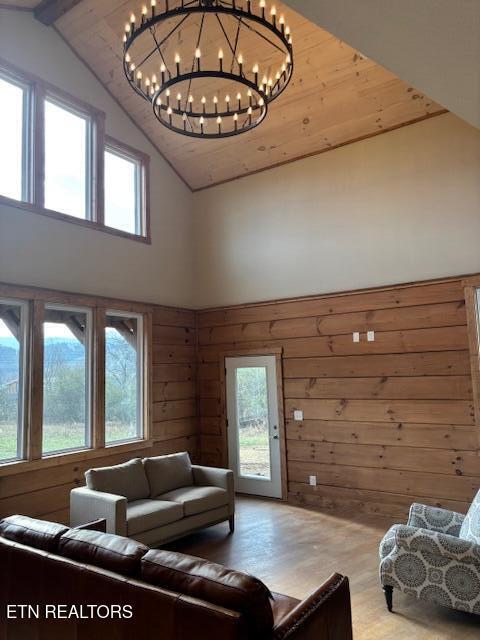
293	550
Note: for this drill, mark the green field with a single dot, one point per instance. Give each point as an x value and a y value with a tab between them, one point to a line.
254	451
59	437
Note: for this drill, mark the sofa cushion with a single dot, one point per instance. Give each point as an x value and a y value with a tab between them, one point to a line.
143	515
105	550
127	479
39	534
213	583
197	499
470	529
166	473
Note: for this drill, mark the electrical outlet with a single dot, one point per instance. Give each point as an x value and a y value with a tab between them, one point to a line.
298	415
356	336
312	480
371	336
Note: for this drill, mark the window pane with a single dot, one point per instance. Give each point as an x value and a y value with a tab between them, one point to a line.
123	384
11	135
65	380
121	193
253	427
66	138
11	381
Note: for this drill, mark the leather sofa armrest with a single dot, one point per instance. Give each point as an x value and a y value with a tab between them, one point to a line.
325	614
215	477
87	505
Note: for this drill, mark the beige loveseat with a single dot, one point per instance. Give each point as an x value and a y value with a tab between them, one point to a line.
155	500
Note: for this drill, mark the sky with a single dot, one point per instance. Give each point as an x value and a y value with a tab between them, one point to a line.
51	330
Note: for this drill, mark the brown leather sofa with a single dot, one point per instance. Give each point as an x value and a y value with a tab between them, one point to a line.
93	585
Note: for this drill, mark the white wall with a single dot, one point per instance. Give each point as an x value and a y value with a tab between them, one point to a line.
434	45
399	207
35	250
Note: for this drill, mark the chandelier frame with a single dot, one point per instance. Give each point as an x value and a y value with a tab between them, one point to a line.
187	119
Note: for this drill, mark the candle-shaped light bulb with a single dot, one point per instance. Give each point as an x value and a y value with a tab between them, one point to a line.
132	20
273	13
190	98
124	38
227	100
262	7
154	4
277	75
198	53
219	122
290	40
127	58
154	78
235	116
159	102
250	111
255	71
147	82
288	59
239	100
132	69
169	111
264	80
287	31
127	27
177	63
220	58
144	12
240	62
261	102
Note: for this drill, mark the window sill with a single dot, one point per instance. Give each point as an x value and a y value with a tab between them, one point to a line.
89	224
56	460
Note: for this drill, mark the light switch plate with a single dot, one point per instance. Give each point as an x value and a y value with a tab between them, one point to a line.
371	336
356	336
298	415
313	480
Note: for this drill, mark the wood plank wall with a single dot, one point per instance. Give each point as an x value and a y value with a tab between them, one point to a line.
385	422
44	491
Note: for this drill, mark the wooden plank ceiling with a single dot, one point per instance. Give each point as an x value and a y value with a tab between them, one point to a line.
336	95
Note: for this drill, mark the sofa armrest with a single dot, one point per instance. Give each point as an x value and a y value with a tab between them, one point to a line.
215	477
325	614
87	505
450	547
435	519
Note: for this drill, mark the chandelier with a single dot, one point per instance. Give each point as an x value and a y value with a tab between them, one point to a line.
209	68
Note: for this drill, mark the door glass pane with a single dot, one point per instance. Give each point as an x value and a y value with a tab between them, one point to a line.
65	380
253	427
123	379
11	135
65	161
11	383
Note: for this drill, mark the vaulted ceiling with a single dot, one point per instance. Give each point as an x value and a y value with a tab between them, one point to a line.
336	96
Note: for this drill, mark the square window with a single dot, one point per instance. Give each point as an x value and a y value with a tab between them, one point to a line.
68	168
14	174
123	377
66	379
12	379
124	186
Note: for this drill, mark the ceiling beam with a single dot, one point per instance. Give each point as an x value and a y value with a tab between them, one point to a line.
49	11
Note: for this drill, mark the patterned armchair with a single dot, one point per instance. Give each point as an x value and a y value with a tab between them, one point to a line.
435	557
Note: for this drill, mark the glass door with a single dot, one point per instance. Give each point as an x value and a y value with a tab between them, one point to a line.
253	434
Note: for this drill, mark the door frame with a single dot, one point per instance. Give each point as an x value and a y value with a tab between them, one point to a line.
277	352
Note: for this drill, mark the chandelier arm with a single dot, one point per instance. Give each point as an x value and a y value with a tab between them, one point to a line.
225	33
258	33
193	61
235	48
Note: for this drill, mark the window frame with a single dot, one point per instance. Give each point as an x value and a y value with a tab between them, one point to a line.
89	364
22	379
142	180
35	300
38	91
141	386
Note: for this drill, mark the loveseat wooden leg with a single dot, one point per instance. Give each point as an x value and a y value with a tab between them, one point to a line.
388	591
231	522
